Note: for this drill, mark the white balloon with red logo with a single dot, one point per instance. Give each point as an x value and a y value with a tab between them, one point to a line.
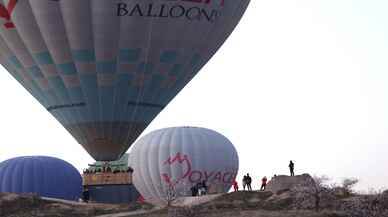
173	160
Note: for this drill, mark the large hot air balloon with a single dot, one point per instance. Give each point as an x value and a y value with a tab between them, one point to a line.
105	68
172	160
45	176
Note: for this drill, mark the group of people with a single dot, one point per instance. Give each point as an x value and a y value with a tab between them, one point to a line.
107	170
247	180
199	189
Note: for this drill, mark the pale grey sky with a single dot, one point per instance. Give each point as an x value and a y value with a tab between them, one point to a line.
298	79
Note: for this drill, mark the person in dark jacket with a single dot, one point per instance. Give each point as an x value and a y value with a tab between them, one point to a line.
249	182
194	191
85	195
244	182
204	186
291	166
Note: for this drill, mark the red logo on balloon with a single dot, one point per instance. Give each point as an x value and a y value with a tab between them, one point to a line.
5	12
195	176
180	159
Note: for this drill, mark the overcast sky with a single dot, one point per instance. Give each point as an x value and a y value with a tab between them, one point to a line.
301	80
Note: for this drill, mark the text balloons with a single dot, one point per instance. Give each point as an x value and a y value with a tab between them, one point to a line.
105	68
180	157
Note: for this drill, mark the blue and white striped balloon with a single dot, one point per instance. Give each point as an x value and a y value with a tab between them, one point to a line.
105	68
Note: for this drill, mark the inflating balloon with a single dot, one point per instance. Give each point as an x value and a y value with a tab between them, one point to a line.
177	159
105	68
45	176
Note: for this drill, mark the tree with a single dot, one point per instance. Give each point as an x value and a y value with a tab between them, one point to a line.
348	184
170	195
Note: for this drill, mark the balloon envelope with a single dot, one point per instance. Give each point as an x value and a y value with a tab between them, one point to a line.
179	158
105	68
46	176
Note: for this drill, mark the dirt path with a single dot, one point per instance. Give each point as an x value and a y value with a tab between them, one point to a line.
183	201
133	213
193	201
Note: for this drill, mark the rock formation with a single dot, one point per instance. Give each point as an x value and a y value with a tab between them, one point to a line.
283	183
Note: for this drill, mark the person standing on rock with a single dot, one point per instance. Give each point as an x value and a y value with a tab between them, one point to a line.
263	183
291	166
249	181
244	182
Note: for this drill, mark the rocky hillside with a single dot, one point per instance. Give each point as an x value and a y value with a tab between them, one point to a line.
283	204
298	196
285	197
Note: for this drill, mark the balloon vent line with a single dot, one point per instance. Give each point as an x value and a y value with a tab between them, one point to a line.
144	104
66	106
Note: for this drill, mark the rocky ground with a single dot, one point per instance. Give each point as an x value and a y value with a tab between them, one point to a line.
281	204
289	200
29	205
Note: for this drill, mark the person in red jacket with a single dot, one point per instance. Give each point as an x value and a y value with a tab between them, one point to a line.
263	183
235	185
